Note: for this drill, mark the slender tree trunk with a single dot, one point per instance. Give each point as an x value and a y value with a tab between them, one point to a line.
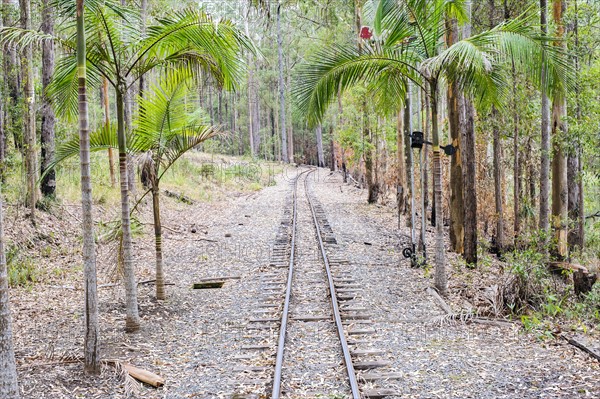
320	156
106	108
48	183
273	128
29	114
408	153
210	106
400	166
282	126
2	125
220	109
341	123
426	157
574	167
160	277
372	185
91	340
441	282
516	166
132	322
559	160
333	165
470	187
545	138
290	122
497	157
256	119
12	80
468	160
9	388
498	197
144	18
456	118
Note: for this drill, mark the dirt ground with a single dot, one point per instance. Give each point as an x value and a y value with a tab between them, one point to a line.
193	338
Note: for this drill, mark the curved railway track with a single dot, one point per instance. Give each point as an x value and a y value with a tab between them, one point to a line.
338	312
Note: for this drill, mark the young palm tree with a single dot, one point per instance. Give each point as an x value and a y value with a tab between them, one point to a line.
165	130
91	341
409	44
188	40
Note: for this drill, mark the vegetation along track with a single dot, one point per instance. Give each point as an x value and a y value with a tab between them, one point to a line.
323	337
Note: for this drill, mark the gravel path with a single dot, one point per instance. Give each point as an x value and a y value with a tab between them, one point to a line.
196	338
441	361
313	359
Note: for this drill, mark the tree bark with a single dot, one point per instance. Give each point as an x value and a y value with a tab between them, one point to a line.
48	183
559	161
408	153
468	161
440	278
29	113
498	197
9	388
574	167
160	277
12	80
132	322
470	187
91	339
320	156
400	166
143	17
545	138
456	119
516	167
282	127
106	108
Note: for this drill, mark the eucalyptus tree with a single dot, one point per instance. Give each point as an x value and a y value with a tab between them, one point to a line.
118	51
408	43
9	388
29	108
165	130
48	182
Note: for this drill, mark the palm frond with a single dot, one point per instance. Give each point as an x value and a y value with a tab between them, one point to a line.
101	139
184	141
62	91
194	32
339	68
476	63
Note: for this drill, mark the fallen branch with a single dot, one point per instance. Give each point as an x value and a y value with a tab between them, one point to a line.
144	376
152	281
440	301
580	346
593	215
180	197
465	317
205	279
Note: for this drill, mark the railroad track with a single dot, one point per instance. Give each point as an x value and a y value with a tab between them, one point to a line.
311	305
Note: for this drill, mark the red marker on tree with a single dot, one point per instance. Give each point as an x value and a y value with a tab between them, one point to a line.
365	33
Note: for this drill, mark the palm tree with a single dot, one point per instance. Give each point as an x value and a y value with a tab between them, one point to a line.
408	44
165	130
187	40
91	341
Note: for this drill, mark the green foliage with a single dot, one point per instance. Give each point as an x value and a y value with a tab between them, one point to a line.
21	268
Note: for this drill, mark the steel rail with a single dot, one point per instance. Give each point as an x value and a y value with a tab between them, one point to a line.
334	304
276	393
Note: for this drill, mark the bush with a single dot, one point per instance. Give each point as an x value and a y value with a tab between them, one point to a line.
21	269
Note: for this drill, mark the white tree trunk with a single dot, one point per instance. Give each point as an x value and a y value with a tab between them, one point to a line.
321	157
9	388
